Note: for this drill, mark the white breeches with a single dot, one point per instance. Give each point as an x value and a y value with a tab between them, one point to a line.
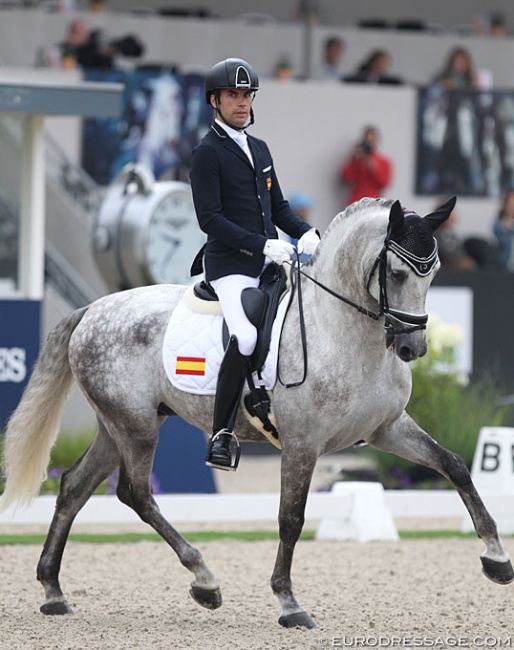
229	291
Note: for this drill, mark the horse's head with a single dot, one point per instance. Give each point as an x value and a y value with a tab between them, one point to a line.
402	275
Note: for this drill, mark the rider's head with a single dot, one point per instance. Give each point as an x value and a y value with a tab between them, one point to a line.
230	87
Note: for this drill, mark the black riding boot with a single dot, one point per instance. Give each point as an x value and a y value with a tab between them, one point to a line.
230	385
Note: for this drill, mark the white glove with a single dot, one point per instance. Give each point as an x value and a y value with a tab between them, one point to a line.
308	242
278	250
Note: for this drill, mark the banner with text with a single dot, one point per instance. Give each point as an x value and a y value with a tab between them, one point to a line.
19	346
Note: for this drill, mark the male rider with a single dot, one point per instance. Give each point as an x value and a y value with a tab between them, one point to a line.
239	205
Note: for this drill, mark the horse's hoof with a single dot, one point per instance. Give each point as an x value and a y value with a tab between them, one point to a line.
499	572
208	598
56	608
298	619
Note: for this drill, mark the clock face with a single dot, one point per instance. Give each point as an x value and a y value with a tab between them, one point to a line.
174	238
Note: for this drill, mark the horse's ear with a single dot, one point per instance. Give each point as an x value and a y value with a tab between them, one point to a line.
436	218
396	219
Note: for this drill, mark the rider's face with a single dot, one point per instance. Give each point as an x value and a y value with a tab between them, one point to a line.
234	106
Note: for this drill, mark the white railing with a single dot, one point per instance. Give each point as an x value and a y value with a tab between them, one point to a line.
353	510
259	507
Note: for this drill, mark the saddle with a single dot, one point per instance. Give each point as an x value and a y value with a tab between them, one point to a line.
260	305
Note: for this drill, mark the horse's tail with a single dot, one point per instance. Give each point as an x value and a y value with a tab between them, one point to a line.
33	427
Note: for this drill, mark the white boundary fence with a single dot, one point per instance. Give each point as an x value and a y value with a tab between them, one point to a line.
352	510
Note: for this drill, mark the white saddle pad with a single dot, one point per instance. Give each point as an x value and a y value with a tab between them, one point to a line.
193	347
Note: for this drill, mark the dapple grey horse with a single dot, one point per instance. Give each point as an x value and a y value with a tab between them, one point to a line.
363	294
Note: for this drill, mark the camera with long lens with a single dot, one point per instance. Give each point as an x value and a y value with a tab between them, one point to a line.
366	146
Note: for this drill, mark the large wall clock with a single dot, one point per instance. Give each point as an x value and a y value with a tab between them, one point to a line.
146	231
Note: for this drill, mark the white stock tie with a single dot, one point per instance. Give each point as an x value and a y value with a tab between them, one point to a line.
243	143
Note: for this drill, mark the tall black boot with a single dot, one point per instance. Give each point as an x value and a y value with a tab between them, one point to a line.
231	378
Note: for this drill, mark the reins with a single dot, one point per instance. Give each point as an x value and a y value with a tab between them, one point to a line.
296	273
359	308
303	335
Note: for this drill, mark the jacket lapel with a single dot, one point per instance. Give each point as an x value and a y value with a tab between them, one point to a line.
231	145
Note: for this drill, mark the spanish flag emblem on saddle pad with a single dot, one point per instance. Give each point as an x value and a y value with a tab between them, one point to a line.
190	366
192	349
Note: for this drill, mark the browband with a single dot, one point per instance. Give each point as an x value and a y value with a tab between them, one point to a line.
421	265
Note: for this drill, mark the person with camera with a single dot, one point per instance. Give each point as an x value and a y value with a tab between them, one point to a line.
367	172
87	48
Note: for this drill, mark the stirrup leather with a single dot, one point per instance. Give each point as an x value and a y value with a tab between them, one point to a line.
234	449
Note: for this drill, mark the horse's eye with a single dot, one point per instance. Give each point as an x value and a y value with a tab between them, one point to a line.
398	275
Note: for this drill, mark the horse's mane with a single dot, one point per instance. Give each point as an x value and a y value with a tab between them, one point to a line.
363	208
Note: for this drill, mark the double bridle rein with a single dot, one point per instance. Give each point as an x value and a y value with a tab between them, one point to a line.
395	321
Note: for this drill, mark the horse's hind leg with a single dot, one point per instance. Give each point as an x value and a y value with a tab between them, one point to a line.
77	485
408	440
135	491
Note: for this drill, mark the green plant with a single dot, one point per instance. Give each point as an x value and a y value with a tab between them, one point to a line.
66	451
443	402
69	447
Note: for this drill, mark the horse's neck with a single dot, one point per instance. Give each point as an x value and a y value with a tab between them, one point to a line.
345	260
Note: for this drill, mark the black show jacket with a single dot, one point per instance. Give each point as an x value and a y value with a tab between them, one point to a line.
237	205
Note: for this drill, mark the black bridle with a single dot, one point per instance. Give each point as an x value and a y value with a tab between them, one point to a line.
421	266
395	321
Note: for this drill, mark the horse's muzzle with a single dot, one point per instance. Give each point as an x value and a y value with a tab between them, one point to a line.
406	336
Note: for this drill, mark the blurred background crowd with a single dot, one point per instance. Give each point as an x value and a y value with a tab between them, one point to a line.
417	104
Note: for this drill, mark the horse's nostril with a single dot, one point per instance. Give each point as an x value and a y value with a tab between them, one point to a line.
405	353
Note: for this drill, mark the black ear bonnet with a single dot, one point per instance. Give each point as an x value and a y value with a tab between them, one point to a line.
411	237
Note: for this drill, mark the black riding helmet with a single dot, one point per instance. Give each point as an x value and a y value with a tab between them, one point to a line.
230	73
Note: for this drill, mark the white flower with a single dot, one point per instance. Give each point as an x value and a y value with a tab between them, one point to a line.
444	346
462	378
442	335
453	335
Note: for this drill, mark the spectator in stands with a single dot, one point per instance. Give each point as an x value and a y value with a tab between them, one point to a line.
283	69
97	6
367	172
497	25
302	203
375	69
88	48
458	71
503	229
451	245
333	50
460	252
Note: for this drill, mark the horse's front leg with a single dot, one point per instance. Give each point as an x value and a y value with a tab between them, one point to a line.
297	468
405	438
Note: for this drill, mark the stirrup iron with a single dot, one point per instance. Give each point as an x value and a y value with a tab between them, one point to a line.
235	451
